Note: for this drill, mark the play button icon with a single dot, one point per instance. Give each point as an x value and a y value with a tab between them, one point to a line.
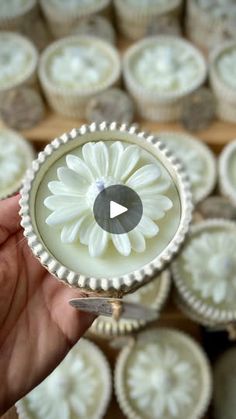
118	209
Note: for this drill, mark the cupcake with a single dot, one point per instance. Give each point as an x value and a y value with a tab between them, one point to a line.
63	16
222	79
163	374
198	160
204	273
152	295
15	13
16	156
210	22
75	69
69	208
79	387
135	17
227	172
159	73
224	374
18	58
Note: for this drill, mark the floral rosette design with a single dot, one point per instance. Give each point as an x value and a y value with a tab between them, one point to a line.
11	162
171	381
83	178
78	388
67	391
210	259
190	158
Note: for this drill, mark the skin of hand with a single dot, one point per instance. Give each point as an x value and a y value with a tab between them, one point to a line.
37	325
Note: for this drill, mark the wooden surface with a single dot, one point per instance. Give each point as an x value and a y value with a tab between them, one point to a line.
216	136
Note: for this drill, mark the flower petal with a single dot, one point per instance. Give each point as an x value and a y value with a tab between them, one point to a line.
58	188
98	240
122	243
115	153
97	158
86	228
144	176
157	188
137	240
63	215
53	202
70	232
72	180
155	207
147	227
127	161
78	165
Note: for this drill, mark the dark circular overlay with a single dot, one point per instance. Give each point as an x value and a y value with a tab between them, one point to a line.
121	195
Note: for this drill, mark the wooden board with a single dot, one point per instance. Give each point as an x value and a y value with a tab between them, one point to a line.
216	136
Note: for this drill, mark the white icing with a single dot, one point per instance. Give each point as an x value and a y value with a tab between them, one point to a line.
226	67
210	260
12	162
161	383
11	6
71	390
79	65
166	68
14	60
191	158
100	166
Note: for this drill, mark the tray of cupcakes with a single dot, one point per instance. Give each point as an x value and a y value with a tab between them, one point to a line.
132	102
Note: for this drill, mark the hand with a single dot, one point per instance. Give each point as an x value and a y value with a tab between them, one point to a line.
37	325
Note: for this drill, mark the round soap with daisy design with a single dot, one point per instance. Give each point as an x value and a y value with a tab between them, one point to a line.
58	208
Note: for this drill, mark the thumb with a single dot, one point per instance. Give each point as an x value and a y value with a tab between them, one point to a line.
9	217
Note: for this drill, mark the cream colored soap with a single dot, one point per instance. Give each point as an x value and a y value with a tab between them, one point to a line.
58	200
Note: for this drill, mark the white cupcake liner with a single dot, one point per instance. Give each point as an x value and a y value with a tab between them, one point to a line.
29	155
160	106
226	188
115	286
206	313
194	347
195	143
68	102
203	29
61	22
133	22
222	91
30	77
109	329
16	20
102	361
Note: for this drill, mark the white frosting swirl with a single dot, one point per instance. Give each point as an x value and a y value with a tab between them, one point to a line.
166	68
226	67
210	261
77	388
12	161
82	179
14	60
161	382
79	65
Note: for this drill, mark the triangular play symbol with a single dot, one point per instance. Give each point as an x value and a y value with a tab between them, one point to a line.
116	209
